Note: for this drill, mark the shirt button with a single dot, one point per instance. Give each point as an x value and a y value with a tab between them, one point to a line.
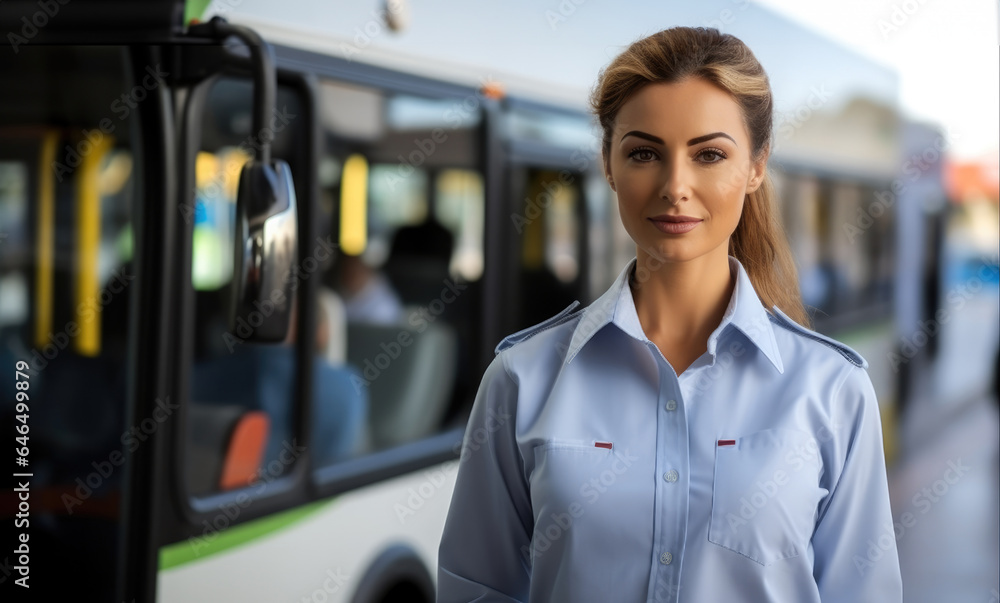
666	558
670	476
671	404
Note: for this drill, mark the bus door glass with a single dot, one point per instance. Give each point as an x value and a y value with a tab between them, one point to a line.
68	179
554	202
548	224
240	427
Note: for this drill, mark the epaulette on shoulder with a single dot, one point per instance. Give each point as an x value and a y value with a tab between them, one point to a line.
524	334
846	351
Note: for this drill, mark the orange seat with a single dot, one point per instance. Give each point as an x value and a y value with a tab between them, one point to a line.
245	450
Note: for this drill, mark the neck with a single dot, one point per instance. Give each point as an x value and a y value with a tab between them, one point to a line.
682	302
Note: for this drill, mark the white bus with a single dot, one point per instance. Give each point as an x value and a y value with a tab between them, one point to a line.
239	391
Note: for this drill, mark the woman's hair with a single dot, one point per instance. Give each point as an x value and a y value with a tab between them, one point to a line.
674	54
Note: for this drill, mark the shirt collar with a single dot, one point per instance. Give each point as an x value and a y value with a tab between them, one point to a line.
745	312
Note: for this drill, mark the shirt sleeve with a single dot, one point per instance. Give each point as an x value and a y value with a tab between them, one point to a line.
490	521
854	542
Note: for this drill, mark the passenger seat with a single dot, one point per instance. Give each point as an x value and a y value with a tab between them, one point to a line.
408	393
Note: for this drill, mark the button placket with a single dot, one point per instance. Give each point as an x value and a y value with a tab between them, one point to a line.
671	503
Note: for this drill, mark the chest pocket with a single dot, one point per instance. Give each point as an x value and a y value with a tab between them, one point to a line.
766	494
563	470
576	477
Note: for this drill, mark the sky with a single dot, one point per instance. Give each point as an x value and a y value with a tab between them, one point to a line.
945	51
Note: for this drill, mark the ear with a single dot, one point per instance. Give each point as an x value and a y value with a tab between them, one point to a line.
758	170
607	172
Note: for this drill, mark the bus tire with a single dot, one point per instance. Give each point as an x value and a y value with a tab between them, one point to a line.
397	575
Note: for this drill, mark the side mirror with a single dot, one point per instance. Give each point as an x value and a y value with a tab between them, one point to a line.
265	251
266	237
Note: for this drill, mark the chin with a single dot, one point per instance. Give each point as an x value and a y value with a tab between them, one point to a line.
670	251
680	250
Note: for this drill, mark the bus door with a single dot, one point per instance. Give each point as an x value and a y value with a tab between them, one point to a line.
242	289
70	183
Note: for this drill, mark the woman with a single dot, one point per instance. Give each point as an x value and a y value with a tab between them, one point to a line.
676	440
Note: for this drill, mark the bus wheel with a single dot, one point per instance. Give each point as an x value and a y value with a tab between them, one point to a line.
405	592
398	575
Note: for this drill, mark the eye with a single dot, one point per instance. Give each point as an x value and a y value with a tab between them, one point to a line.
642	154
711	155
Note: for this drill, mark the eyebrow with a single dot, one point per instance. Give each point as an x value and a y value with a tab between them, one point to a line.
691	142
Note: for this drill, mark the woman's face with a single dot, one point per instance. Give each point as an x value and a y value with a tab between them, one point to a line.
681	150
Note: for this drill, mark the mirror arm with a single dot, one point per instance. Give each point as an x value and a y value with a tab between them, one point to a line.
262	59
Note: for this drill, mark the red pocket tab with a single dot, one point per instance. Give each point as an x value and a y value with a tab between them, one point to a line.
727	442
603	445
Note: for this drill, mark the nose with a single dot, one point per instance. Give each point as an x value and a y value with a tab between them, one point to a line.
676	186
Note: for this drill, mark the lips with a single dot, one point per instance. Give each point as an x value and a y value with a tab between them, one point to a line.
675	224
667	218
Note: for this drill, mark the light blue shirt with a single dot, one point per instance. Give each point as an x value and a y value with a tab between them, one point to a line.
591	472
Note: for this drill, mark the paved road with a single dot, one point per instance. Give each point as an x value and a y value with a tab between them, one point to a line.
947	473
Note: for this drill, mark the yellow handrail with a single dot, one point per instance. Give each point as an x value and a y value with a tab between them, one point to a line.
354	205
88	241
44	240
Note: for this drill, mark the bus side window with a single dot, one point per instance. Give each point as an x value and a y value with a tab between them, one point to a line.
404	200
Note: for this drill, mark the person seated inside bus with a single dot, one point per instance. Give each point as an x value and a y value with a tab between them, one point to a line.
368	295
429	240
419	260
262	377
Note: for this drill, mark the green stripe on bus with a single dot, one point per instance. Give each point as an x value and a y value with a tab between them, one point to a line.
197	548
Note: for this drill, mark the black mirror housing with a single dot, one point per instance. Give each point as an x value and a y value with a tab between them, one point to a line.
265	252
